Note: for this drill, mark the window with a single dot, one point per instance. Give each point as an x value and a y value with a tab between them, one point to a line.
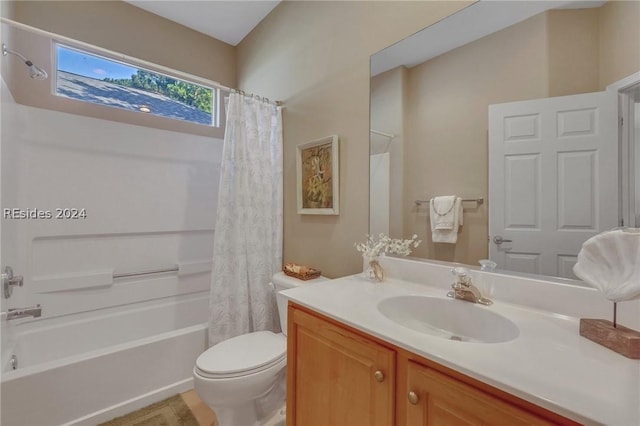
91	78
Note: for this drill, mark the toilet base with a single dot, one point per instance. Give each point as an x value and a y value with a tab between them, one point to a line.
266	410
276	418
237	416
242	416
250	415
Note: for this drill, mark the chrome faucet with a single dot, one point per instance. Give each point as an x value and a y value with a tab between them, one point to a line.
464	290
16	313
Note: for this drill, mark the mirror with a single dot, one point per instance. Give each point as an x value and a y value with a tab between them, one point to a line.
431	135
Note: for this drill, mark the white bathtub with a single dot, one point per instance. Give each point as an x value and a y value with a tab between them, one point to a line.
89	369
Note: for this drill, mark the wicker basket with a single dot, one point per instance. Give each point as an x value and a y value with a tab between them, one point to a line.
308	275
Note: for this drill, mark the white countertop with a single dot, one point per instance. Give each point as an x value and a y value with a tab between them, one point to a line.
548	364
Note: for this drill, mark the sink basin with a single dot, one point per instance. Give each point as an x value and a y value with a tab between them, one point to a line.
448	318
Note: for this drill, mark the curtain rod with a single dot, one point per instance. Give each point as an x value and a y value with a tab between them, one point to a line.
260	98
132	60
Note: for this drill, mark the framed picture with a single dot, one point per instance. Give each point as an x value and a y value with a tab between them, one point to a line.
317	176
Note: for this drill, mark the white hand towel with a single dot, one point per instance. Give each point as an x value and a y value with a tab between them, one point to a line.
610	262
445	217
442	212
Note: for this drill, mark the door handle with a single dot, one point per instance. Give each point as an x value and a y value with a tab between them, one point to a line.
499	240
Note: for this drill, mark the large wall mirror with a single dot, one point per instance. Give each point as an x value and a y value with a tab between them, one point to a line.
512	106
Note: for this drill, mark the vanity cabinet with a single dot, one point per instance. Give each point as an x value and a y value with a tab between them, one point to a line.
433	398
340	376
336	377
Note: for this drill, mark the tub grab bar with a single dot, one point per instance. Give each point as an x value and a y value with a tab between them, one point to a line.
152	271
87	280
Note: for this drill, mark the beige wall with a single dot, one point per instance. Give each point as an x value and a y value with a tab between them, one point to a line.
446	143
122	28
314	56
619	26
591	48
572	40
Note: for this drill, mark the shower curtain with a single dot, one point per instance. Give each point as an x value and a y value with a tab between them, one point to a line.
247	248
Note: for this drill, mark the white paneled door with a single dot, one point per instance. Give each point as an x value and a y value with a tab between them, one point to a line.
553	179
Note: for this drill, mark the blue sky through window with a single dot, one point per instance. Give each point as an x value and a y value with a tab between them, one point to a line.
91	78
81	63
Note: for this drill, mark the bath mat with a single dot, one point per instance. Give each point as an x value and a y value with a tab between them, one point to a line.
170	412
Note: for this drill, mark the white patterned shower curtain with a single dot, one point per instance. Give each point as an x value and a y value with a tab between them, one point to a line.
247	248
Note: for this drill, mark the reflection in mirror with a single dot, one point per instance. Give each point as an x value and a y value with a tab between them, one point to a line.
508	101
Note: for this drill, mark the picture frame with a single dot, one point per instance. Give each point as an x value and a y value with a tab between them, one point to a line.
317	176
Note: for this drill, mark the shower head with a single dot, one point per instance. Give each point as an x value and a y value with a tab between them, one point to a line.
35	72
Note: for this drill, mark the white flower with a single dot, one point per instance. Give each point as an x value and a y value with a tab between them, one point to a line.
384	244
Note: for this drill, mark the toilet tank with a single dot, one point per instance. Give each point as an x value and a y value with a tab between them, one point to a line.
284	282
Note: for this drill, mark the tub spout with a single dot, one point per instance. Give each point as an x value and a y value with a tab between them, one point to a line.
16	313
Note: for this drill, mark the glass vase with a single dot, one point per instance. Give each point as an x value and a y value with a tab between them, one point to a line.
371	268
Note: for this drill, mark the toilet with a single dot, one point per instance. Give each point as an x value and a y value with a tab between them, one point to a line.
243	378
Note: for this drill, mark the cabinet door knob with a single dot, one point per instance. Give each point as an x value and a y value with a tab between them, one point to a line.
379	376
413	398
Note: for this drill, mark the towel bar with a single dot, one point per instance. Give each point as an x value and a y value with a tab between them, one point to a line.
464	200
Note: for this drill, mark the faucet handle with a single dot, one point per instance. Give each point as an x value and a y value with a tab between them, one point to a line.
462	274
460	270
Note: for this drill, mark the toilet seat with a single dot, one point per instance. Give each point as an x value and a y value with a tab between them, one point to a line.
242	355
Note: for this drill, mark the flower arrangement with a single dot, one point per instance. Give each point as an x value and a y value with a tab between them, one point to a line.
384	244
372	248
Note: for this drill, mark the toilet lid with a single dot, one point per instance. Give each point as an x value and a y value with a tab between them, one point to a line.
243	353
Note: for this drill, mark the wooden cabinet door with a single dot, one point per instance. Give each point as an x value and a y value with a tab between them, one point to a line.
336	377
445	401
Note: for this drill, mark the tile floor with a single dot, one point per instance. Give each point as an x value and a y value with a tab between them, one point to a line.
200	410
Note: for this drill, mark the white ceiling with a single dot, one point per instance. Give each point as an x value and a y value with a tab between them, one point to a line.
229	21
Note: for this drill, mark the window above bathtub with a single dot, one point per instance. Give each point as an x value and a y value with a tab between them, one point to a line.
89	77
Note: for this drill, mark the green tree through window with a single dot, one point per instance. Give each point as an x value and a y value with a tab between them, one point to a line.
181	91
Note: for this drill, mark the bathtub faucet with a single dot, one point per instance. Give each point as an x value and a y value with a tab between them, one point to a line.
16	313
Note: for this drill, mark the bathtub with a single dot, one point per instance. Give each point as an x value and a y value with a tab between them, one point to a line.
89	369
